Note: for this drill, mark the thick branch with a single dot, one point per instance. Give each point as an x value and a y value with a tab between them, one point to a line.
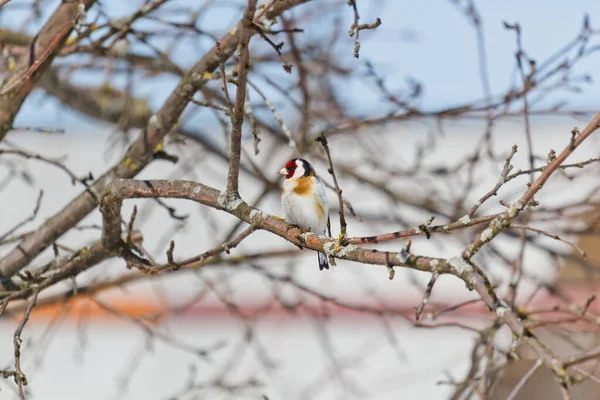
237	119
122	189
21	80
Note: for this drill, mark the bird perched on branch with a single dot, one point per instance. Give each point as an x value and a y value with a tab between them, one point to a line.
304	200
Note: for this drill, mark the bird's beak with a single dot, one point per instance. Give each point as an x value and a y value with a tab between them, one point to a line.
283	171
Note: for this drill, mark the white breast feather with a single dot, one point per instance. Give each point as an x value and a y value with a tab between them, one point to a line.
300	210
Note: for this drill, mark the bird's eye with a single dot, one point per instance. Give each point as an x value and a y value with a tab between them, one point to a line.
290	172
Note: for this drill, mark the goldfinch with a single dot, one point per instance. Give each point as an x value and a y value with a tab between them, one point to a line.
304	200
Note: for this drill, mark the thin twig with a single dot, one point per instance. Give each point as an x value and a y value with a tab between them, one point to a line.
460	224
343	236
528	83
287	66
222	68
286	130
427	295
225	247
565	392
28	219
524	379
74	178
550	235
501	181
130	226
19	376
355	28
587	356
562	167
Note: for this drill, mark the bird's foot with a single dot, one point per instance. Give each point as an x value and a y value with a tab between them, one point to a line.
292	226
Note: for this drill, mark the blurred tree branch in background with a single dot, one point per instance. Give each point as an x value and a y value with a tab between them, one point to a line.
269	81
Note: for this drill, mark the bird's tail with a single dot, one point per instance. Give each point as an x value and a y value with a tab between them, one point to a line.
323	264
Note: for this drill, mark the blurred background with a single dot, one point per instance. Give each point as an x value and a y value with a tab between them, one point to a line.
420	125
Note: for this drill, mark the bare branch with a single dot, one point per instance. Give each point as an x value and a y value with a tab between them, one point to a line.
237	119
21	80
323	140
